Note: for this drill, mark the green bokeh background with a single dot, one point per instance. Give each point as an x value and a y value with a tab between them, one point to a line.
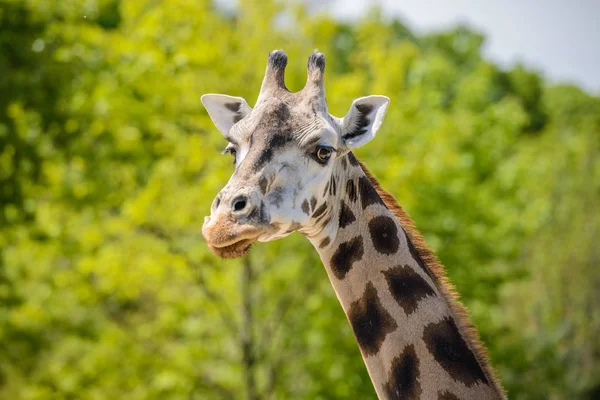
108	164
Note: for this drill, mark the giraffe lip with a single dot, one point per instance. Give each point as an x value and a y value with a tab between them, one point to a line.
237	249
236	241
225	234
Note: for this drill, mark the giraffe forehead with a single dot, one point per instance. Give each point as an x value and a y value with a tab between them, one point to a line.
281	122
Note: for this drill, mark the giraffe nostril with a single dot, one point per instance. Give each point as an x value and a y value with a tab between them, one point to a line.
239	203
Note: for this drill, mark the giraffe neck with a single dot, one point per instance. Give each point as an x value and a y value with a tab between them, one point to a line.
409	328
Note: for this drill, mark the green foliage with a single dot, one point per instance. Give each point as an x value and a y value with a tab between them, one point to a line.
108	164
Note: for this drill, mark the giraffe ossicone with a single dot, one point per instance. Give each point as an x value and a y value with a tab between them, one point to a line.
295	171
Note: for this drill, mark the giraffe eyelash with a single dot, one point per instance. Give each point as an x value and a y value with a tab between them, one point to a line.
231	150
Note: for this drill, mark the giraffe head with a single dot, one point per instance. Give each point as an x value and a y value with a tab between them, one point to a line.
287	151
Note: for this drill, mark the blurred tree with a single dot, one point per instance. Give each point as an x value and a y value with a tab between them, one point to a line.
108	164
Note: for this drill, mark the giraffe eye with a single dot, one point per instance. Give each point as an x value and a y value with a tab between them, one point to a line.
323	154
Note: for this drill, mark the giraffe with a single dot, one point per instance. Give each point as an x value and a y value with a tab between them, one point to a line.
295	171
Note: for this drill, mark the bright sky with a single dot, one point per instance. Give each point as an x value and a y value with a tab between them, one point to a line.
560	38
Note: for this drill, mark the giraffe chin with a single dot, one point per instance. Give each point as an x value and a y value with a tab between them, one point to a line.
234	250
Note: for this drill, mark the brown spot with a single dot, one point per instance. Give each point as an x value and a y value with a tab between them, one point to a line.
351	190
384	234
352	160
333	186
347	254
265	156
368	194
313	202
346	215
407	287
449	349
403	378
370	322
320	210
305	207
344	163
275	141
324	242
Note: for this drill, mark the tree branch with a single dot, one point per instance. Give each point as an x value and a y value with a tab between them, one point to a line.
246	336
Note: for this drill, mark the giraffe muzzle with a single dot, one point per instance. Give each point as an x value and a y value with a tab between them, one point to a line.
227	238
229	231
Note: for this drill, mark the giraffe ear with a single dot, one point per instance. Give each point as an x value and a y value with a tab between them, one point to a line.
225	110
363	120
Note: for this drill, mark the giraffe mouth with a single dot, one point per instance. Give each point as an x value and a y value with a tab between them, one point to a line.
227	239
235	250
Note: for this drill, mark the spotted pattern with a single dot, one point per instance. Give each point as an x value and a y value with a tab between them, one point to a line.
384	234
449	349
370	321
346	215
368	194
351	190
263	159
403	381
324	242
320	210
333	186
305	207
352	160
313	202
344	163
347	254
407	287
274	141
